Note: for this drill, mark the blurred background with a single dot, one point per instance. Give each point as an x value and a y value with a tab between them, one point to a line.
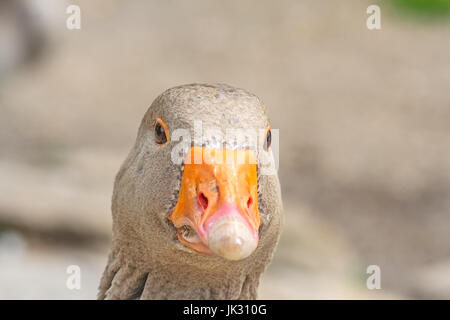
364	119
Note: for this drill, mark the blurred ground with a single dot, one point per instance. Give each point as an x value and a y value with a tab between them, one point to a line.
364	120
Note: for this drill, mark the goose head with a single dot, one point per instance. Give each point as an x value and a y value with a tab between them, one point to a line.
196	205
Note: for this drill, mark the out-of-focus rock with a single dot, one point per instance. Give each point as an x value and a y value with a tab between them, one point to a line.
73	195
26	27
431	282
315	261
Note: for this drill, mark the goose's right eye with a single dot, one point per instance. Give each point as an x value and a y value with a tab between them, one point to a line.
161	133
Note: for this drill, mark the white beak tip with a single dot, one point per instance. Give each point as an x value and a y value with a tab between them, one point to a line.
232	239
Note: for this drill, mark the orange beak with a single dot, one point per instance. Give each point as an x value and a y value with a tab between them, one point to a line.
217	209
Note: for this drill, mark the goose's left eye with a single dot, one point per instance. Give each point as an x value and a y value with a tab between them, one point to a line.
161	133
268	140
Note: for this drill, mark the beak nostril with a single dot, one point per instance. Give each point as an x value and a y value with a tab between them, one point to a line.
249	202
202	200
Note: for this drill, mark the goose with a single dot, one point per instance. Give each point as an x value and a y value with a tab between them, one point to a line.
199	227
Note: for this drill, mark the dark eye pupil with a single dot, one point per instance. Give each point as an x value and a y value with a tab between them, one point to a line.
268	141
160	134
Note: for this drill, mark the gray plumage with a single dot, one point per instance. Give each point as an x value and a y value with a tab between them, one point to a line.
146	260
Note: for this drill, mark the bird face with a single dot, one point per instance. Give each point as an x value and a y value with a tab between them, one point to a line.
214	202
195	218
